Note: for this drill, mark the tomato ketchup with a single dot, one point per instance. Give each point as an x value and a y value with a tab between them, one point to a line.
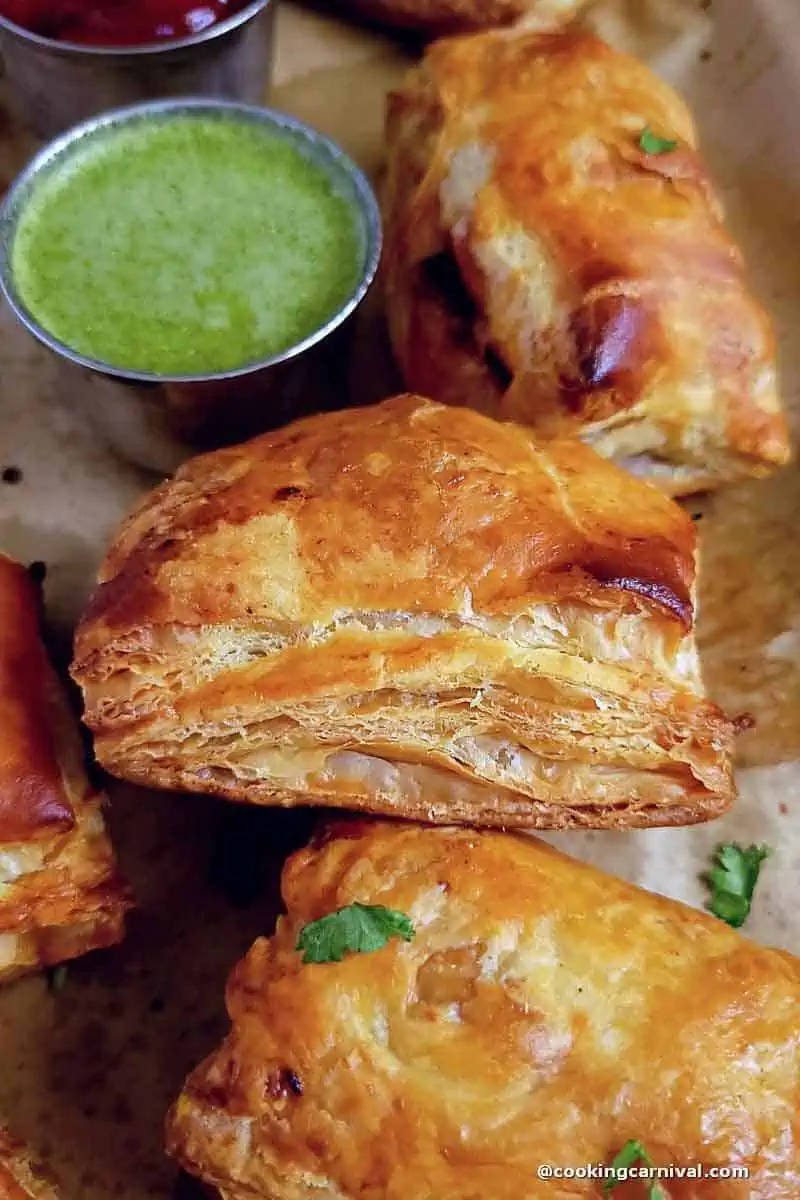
117	22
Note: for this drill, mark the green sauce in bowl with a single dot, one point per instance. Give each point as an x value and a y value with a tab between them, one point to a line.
185	244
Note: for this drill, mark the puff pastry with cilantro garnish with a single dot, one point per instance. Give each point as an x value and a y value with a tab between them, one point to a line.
556	255
542	1013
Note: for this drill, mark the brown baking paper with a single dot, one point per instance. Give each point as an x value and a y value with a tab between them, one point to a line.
87	1072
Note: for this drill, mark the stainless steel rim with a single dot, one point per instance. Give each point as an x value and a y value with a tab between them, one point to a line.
367	203
147	48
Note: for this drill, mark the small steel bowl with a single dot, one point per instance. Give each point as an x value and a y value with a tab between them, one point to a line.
52	85
157	421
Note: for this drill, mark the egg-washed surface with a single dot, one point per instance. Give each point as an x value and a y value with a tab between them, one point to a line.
408	609
541	1013
101	1060
187	244
567	265
60	892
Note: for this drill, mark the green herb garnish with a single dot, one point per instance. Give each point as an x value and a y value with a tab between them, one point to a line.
733	879
354	929
651	143
631	1153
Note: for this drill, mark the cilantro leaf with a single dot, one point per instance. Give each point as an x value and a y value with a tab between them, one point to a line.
356	929
631	1153
732	880
651	143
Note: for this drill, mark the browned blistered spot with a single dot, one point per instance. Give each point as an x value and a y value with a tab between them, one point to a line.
743	722
294	1082
606	331
288	493
284	1082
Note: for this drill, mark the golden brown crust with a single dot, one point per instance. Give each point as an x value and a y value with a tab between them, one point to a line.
60	894
408	609
404	504
542	267
544	1013
20	1177
32	797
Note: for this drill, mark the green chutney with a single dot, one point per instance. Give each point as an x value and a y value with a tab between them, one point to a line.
185	245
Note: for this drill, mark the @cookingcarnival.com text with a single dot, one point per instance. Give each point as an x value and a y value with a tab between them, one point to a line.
622	1174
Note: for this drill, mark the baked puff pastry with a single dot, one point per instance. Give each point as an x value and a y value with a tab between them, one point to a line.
555	255
542	1014
60	894
20	1177
408	609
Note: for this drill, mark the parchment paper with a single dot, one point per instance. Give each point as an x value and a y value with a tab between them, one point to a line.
87	1072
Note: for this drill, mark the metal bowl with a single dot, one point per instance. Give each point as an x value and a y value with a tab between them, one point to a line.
53	85
157	421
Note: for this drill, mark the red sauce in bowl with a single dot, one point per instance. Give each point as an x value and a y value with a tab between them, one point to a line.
118	22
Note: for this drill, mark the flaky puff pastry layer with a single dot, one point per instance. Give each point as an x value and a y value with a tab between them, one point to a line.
60	894
544	266
544	1013
20	1177
408	609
